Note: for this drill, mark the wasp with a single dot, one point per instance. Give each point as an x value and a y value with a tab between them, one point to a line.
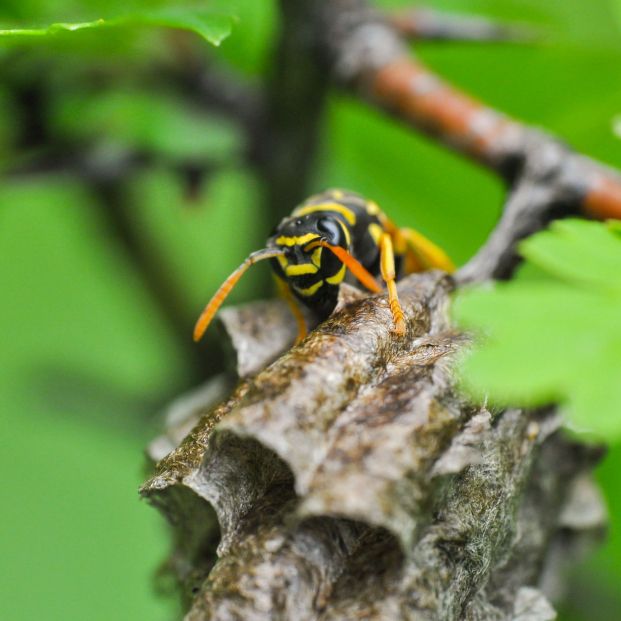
333	237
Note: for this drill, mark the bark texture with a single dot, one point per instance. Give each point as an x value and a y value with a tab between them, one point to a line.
349	479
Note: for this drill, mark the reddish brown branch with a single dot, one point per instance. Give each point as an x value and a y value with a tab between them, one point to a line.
548	179
412	92
603	198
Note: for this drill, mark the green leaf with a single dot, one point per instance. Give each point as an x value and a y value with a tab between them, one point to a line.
213	26
578	251
555	338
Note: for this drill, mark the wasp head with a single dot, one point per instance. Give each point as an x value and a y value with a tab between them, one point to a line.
300	238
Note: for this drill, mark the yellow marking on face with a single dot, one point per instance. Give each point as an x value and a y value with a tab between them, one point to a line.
338	277
301	269
338	194
309	291
283	262
345	232
372	208
316	256
375	231
347	213
283	240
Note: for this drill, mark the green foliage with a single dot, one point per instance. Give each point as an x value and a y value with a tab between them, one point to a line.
213	26
554	334
156	123
83	357
86	355
250	48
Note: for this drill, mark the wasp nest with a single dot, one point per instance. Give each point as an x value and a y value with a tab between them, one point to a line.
347	478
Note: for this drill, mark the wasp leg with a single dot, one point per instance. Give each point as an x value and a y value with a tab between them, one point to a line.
423	254
285	292
387	266
420	253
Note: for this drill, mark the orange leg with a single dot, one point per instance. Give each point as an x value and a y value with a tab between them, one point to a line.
285	292
387	266
354	266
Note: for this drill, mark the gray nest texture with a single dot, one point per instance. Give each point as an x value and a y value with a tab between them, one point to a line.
347	478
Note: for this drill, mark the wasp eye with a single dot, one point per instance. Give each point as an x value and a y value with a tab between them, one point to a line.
330	229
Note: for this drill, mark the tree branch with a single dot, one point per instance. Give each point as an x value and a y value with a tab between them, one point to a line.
427	24
366	56
154	274
296	89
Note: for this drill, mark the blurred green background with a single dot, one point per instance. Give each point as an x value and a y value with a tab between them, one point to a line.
92	342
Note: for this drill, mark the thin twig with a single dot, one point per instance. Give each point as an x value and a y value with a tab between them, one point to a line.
426	24
219	88
116	211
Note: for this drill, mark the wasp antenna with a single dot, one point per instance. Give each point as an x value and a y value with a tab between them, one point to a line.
354	266
225	288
